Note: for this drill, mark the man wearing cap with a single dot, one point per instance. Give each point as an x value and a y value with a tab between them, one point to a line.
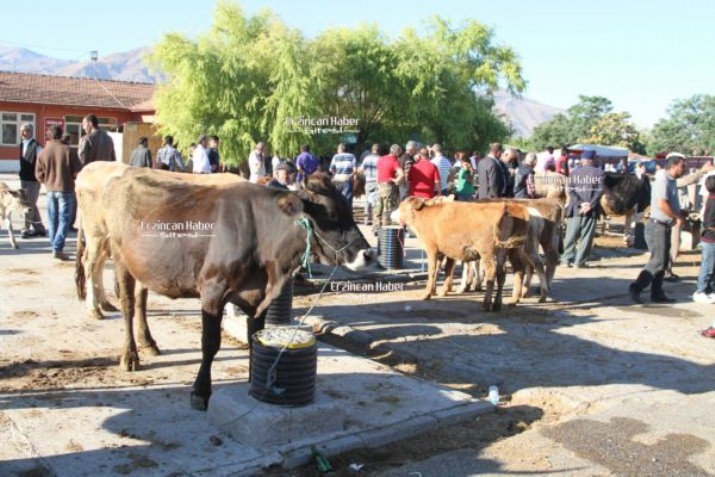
665	212
585	187
280	177
200	158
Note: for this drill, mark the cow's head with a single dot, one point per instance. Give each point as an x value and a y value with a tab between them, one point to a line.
17	200
405	214
336	237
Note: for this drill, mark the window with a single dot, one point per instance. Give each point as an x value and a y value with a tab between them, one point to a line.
10	124
73	127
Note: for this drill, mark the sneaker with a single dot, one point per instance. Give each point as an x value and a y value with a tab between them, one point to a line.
701	297
60	256
709	333
635	295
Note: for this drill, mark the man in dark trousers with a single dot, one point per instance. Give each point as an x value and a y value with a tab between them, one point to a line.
29	150
490	174
585	188
665	212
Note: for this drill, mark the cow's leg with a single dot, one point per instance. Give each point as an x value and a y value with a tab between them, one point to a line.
93	267
500	273
253	325
467	277
129	360
518	260
628	228
10	232
448	271
432	271
490	271
212	303
104	304
144	338
478	275
528	275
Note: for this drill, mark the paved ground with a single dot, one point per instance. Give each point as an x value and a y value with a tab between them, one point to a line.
593	384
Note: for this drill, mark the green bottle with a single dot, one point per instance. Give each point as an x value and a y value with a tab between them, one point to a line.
321	462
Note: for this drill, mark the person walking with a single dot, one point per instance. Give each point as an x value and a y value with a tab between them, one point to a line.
141	155
57	167
95	145
29	150
585	188
665	211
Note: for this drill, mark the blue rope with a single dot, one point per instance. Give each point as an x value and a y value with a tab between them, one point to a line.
305	223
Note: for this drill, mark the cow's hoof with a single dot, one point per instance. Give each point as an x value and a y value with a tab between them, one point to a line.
496	306
478	288
426	297
200	403
542	299
442	293
463	290
486	306
96	314
129	362
152	349
106	306
15	246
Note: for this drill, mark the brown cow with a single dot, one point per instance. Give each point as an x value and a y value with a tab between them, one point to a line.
94	250
12	201
243	242
467	231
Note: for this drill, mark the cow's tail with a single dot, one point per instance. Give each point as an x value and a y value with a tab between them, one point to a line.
511	231
80	279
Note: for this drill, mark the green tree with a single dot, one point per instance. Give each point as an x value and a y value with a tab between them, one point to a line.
689	127
616	129
252	78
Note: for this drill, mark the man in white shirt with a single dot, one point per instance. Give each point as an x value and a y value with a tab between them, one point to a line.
443	165
256	163
200	158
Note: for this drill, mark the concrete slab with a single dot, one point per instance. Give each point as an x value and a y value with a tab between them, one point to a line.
358	404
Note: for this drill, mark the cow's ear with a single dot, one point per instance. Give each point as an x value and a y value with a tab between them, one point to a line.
290	204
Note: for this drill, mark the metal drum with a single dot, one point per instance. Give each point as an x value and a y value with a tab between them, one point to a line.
284	364
391	247
281	308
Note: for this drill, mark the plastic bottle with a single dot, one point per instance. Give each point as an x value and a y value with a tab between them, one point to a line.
493	395
321	462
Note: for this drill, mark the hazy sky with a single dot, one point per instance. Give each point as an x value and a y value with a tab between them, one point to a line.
640	54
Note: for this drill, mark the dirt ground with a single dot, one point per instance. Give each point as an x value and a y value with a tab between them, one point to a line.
445	340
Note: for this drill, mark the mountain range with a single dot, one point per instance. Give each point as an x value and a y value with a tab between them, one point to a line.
523	113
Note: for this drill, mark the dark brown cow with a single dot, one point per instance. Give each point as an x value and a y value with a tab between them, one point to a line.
625	195
12	201
466	231
236	243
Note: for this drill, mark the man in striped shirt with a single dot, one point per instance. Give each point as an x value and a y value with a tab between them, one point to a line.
369	169
443	166
342	167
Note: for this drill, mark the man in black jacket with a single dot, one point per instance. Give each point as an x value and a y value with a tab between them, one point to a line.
29	150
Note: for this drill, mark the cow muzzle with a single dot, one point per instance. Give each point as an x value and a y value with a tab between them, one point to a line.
363	259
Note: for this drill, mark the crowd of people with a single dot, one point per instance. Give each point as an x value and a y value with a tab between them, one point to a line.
390	176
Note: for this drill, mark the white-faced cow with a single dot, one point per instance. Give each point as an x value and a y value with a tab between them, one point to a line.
625	195
239	244
12	201
467	231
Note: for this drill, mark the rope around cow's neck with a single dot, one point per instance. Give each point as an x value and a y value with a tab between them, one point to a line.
304	222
